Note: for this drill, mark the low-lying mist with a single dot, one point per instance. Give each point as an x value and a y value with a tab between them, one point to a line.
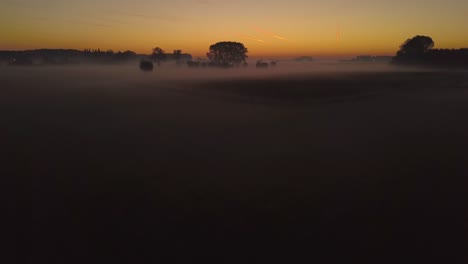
109	155
130	73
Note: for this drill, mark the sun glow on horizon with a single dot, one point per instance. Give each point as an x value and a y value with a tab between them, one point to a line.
298	27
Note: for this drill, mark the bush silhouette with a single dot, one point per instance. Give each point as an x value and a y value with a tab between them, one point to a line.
261	64
146	65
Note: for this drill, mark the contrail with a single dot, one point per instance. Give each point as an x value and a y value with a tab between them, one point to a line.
251	38
278	37
265	32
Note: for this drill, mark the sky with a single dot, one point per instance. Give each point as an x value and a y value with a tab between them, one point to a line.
266	27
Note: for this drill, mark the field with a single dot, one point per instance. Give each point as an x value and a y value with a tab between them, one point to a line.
314	166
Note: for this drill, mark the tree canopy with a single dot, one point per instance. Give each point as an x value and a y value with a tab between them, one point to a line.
420	51
416	46
177	54
158	55
227	53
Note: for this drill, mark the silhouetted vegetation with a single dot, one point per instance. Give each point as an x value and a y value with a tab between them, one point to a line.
197	64
369	59
261	64
62	56
264	64
418	51
179	57
70	56
177	54
158	55
227	54
193	64
304	59
146	65
202	64
416	47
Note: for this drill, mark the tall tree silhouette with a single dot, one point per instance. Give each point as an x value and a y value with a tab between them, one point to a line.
177	54
227	53
158	55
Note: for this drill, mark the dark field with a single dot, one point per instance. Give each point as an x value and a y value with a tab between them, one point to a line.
117	166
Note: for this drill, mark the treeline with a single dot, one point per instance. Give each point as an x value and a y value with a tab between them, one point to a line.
418	51
159	55
64	56
369	59
224	54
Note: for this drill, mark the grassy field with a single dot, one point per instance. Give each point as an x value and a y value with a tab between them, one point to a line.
113	165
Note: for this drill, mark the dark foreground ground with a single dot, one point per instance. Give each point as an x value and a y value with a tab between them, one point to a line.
324	168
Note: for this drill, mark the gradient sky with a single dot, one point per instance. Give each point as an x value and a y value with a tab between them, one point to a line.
266	27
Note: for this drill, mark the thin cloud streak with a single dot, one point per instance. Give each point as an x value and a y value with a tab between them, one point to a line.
265	32
244	36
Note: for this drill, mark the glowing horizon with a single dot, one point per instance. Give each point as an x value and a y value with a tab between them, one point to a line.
267	28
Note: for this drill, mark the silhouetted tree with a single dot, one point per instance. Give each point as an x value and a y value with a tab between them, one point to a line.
226	54
158	55
416	46
177	54
419	51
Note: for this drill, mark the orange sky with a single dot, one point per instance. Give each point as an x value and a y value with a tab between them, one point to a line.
267	28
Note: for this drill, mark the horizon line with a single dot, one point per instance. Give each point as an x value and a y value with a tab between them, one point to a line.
254	55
